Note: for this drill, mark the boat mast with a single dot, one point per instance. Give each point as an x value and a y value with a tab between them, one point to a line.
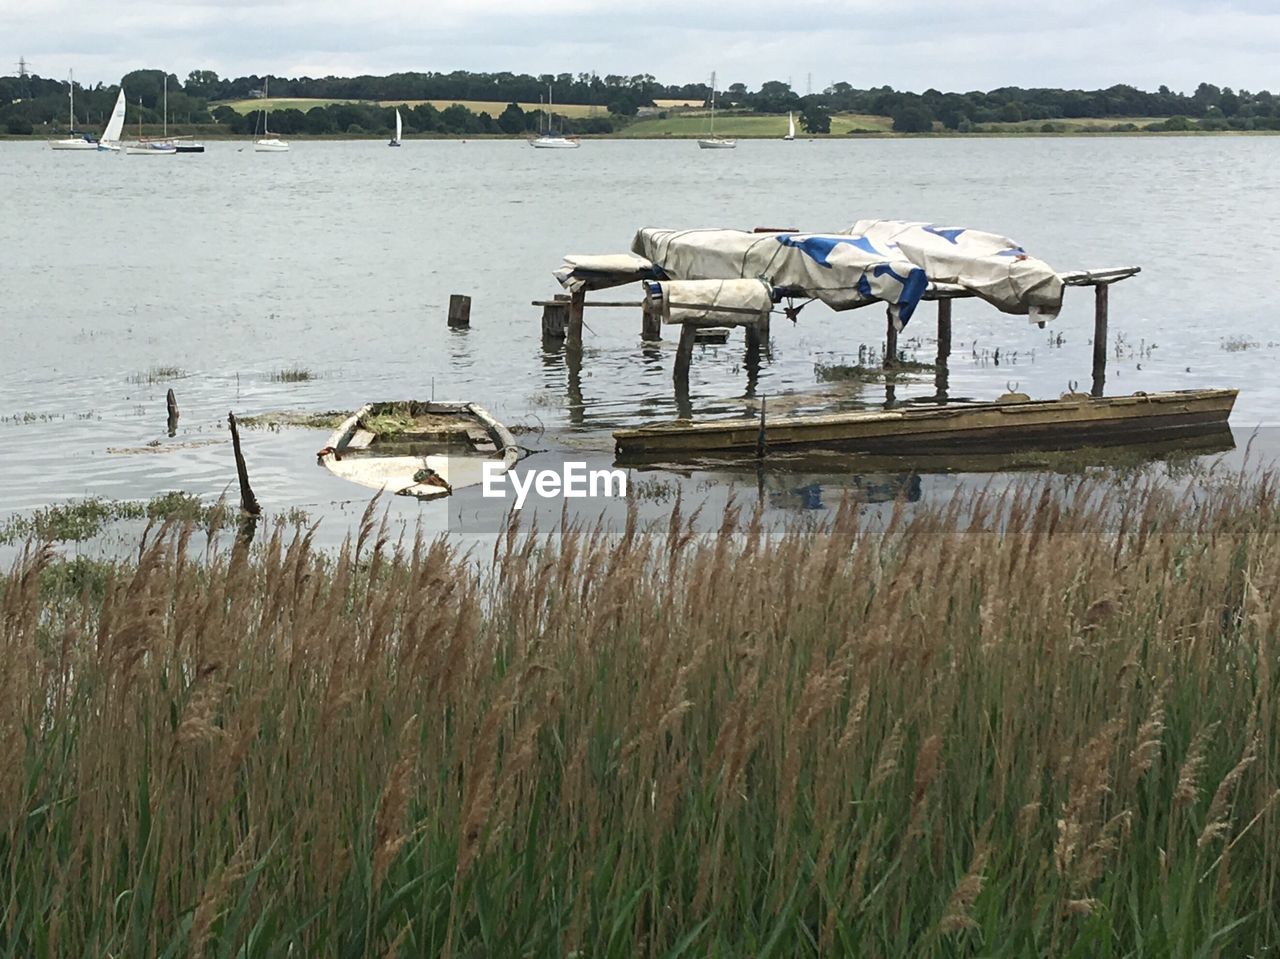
713	104
71	101
166	106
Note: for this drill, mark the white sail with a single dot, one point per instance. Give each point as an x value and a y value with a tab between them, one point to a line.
398	126
791	126
115	126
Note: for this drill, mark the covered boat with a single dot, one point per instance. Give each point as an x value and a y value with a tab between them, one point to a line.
417	449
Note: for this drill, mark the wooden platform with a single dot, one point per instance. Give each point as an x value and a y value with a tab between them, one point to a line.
1073	421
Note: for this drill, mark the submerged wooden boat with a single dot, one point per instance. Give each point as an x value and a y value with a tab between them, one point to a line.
1014	422
425	450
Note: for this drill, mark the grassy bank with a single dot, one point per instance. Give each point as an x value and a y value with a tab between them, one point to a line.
1044	725
492	107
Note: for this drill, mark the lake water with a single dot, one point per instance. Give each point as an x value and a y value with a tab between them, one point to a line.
340	257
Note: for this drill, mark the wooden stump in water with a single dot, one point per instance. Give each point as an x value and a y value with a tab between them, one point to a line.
248	502
459	310
577	303
555	318
890	341
650	321
171	401
684	354
1100	317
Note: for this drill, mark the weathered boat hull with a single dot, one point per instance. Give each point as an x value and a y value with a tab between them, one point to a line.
1065	423
453	450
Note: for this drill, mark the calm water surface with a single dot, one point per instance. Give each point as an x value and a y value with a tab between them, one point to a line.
340	257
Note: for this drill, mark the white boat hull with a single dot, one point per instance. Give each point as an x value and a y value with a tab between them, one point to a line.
73	144
145	151
554	143
271	146
717	144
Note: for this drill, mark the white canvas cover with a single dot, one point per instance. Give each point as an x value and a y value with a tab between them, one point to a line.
876	260
712	302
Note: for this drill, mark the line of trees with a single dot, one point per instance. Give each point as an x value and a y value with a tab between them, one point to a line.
366	118
27	103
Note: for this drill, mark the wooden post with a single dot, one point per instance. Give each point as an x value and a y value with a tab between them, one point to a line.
1100	338
942	368
248	502
171	401
555	318
684	354
459	310
576	304
650	320
890	341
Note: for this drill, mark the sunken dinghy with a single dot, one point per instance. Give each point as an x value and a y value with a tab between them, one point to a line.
426	450
1012	423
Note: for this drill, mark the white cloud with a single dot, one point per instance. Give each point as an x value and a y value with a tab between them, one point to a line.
913	44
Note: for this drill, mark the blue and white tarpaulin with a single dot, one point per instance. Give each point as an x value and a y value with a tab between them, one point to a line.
888	261
876	260
711	302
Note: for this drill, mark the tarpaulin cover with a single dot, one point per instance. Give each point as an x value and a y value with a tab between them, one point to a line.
706	302
876	260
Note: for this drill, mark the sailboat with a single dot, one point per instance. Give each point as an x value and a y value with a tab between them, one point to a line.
180	144
110	141
71	141
268	143
395	140
791	127
145	147
711	141
546	140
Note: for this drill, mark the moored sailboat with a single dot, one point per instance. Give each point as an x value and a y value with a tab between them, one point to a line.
711	141
71	141
269	142
395	140
546	140
791	126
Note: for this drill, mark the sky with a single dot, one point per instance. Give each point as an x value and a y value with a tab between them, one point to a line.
950	45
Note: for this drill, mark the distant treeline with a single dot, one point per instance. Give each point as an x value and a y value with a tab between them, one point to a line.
28	103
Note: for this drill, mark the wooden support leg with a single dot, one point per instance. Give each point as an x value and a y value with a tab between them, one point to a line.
650	321
890	341
1100	338
577	302
555	319
684	355
942	370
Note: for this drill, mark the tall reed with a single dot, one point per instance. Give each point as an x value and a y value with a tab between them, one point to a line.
1033	722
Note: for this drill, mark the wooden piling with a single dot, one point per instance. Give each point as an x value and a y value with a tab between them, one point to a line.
1100	306
761	446
555	318
890	341
942	366
684	354
459	310
650	321
248	502
171	402
577	301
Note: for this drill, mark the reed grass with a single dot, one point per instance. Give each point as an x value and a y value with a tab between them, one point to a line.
1038	722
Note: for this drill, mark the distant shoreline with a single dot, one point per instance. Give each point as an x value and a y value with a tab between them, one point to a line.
690	137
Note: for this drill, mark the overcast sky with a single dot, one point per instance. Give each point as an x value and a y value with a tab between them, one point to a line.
910	45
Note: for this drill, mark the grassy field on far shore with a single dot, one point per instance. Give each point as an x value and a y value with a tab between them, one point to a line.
746	125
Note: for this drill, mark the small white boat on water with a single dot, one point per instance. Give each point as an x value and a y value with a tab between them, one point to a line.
71	141
155	149
711	141
791	127
269	142
395	140
546	140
